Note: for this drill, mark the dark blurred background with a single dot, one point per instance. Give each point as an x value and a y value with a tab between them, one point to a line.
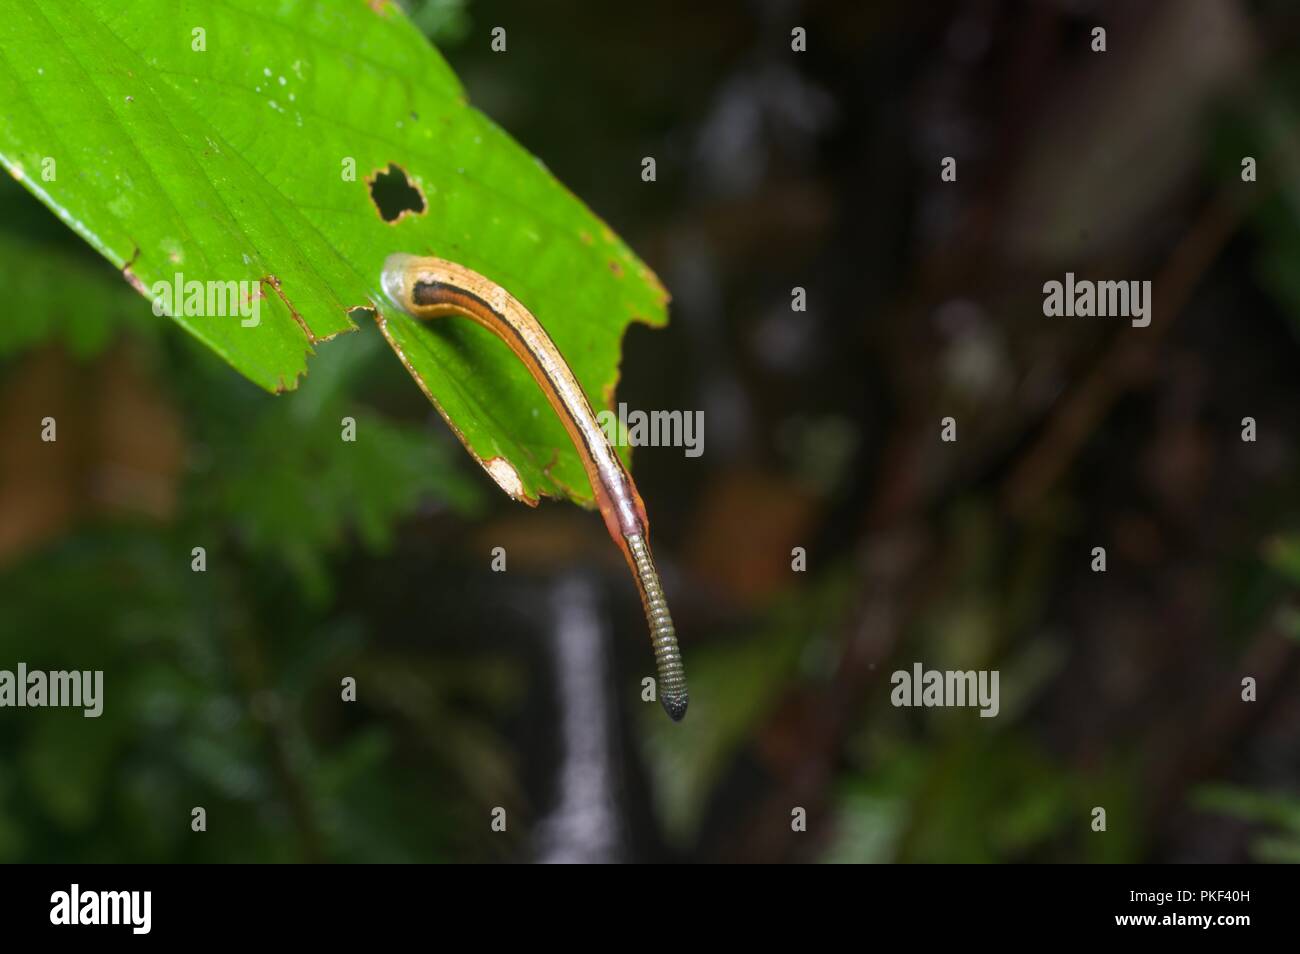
522	689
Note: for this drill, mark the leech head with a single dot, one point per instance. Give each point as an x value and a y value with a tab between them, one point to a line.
394	279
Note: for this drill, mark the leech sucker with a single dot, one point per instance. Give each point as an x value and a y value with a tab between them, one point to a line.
428	287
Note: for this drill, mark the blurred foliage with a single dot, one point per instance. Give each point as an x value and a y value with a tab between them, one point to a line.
444	22
215	680
1278	814
732	689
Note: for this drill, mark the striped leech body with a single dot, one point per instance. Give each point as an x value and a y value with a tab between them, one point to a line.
427	287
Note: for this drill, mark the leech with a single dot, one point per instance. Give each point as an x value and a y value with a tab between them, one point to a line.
427	287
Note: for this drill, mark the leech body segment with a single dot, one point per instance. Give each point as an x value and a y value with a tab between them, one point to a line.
427	287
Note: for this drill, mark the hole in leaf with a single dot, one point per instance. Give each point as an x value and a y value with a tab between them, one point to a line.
394	195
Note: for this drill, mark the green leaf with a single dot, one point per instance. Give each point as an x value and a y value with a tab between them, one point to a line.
227	163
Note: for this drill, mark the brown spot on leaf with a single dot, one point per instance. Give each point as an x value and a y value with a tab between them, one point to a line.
134	281
507	478
132	278
275	284
653	281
